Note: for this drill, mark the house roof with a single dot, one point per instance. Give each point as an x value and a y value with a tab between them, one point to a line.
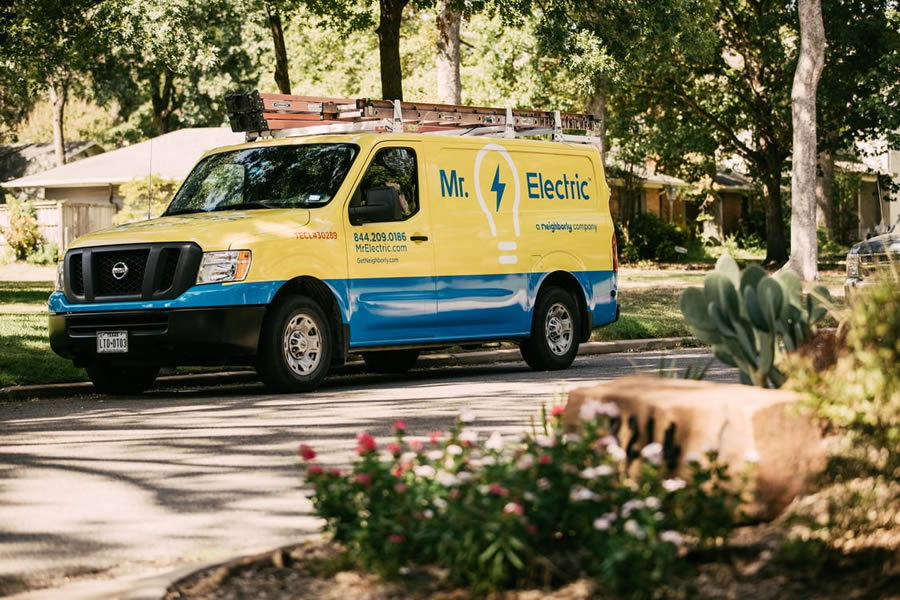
171	156
21	160
733	180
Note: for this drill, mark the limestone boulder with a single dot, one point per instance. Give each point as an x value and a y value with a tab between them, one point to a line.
742	421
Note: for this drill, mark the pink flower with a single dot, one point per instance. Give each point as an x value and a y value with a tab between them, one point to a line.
399	487
531	529
314	470
365	443
558	410
306	452
513	508
396	539
362	478
434	437
497	490
545	459
399	425
415	445
335	472
393	448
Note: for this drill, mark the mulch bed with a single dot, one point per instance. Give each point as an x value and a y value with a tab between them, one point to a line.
743	570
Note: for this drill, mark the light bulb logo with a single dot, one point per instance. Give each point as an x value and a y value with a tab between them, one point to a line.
498	188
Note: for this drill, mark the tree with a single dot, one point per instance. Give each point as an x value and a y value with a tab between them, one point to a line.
448	21
804	243
282	78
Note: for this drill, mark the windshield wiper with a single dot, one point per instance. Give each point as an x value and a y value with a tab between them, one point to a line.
183	211
243	206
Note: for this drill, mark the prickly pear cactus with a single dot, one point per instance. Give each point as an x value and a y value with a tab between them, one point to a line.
746	316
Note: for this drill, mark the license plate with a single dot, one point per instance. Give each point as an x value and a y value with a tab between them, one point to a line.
112	342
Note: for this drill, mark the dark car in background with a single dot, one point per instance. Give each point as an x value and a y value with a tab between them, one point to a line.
873	260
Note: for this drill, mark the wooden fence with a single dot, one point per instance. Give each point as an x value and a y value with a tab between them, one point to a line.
62	222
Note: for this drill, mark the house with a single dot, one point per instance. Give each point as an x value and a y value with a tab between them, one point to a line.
21	160
84	196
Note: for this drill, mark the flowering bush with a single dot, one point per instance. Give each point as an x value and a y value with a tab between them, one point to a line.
541	508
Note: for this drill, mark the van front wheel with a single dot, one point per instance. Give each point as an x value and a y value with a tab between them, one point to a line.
294	346
554	332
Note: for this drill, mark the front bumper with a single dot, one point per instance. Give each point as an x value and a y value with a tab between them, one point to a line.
172	337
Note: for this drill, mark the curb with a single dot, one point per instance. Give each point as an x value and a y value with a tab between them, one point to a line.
427	361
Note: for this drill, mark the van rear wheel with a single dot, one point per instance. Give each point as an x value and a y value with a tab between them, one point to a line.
554	332
294	346
121	380
391	361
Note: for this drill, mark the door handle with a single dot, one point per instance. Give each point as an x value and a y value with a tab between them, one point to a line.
419	238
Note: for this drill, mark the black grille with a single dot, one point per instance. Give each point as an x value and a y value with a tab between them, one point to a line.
149	323
108	267
77	271
159	271
169	264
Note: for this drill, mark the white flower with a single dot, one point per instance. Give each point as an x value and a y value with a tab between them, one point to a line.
435	454
571	438
428	513
610	409
426	471
454	449
464	476
672	537
526	461
692	457
616	453
495	442
487	461
603	471
528	496
483	489
674	484
588	410
545	441
408	457
609	440
752	456
653	453
652	503
449	463
588	473
634	529
632	505
579	494
446	479
467	415
469	435
601	524
543	483
439	503
659	516
610	516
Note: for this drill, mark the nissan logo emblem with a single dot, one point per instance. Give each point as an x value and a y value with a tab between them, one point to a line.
120	270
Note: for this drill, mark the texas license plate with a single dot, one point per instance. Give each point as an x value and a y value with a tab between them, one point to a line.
112	342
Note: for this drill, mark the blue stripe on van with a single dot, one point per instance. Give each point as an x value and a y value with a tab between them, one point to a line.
403	309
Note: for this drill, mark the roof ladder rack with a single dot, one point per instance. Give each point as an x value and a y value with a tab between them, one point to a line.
281	115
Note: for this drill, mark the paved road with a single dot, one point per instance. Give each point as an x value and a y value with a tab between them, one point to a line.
99	495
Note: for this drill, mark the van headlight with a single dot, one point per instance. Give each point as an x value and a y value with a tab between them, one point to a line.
853	266
219	267
60	275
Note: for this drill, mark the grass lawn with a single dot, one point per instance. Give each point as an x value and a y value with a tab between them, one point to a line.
25	354
646	312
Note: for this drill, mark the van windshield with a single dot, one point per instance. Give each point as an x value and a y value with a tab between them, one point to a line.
292	176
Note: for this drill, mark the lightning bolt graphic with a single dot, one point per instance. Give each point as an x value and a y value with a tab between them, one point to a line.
498	187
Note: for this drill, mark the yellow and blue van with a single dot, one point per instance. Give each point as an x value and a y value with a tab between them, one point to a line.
290	254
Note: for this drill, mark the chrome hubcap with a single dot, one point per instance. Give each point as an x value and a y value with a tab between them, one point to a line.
558	329
302	344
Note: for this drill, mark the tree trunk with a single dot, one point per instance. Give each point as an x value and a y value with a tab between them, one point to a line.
776	249
161	99
804	246
448	82
597	107
58	94
825	194
282	78
389	48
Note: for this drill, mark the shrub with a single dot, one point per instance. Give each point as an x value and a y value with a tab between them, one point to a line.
137	193
542	508
651	238
47	254
22	234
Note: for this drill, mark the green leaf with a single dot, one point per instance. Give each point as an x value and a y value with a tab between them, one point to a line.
754	312
729	269
489	552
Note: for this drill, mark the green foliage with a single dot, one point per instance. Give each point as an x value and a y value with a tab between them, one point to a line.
139	204
47	254
22	234
544	508
745	315
651	238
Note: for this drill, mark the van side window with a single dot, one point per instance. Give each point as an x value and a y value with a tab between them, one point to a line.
391	168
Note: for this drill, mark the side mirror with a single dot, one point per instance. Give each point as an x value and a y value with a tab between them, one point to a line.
382	204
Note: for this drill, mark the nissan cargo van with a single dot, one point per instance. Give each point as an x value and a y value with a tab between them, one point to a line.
289	254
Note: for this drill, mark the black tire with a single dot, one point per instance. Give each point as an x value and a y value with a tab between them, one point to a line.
391	361
554	332
295	344
121	380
